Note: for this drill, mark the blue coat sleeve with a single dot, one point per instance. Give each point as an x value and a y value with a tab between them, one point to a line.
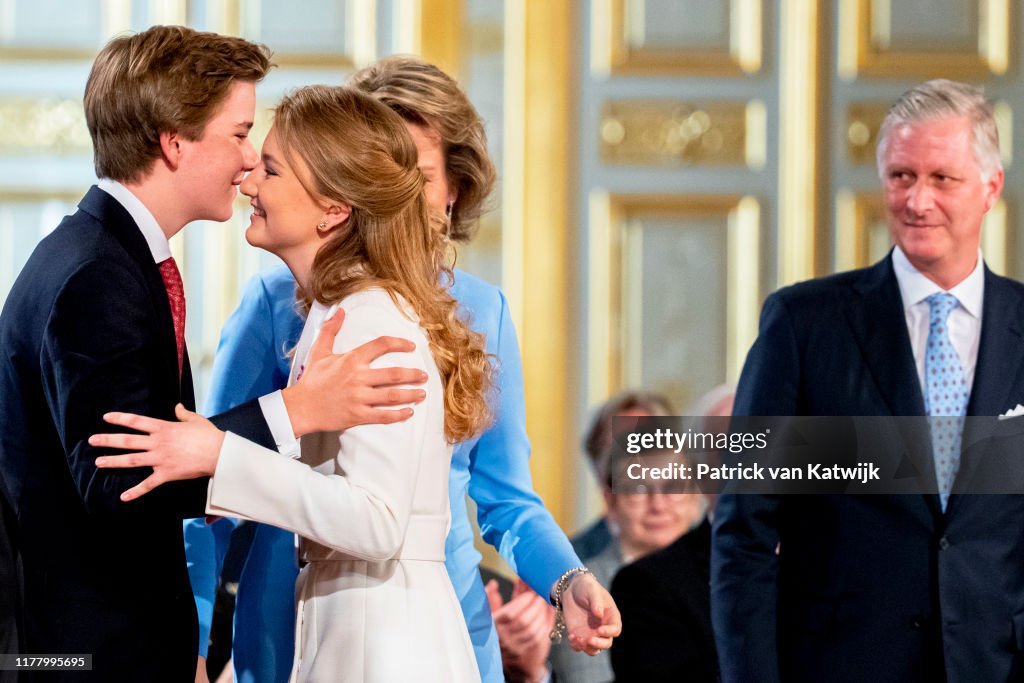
251	361
744	564
511	515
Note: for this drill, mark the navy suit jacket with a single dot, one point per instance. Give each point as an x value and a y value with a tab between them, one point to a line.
666	615
87	329
869	588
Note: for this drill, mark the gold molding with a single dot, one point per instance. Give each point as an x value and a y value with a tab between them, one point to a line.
31	196
864	46
536	216
360	29
857	246
612	53
43	124
664	132
441	29
995	239
800	98
863	121
116	17
614	324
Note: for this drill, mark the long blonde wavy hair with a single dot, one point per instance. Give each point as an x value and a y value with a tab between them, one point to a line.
359	152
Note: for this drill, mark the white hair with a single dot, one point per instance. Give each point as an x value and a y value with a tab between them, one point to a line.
941	98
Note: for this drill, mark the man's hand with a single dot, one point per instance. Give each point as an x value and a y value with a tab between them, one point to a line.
524	626
591	618
338	391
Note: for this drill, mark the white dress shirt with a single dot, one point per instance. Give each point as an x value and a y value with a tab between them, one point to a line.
273	407
964	323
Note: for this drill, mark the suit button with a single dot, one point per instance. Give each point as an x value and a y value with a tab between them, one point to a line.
943	543
917	623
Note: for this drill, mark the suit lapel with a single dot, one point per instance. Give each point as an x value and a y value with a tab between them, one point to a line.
997	373
1000	349
880	328
116	219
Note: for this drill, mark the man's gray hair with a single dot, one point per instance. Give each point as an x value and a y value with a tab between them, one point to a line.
941	98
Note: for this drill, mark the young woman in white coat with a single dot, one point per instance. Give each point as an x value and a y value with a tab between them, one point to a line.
338	196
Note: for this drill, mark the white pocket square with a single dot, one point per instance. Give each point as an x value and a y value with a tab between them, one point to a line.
1015	412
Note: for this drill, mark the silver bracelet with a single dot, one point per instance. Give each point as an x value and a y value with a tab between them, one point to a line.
563	582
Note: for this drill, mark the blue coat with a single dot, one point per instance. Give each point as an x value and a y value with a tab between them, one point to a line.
493	468
874	587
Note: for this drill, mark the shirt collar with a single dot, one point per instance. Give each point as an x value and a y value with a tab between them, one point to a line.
155	237
915	287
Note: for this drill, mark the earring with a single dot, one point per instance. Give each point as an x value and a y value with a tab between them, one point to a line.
448	209
322	225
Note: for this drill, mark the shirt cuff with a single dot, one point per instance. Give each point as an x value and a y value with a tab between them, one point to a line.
280	424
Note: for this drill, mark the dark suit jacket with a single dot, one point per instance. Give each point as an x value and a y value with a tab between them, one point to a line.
869	588
87	329
664	599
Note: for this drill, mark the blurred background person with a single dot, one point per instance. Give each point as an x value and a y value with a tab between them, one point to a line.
593	540
664	597
634	524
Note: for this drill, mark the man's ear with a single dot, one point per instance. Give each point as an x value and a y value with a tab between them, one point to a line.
170	149
993	188
335	214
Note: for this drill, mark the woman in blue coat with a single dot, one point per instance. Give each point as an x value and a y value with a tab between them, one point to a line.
252	360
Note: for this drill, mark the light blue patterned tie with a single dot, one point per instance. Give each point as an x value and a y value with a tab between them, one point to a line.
946	393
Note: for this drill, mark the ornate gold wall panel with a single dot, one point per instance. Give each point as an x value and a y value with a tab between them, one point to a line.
676	133
862	233
536	219
869	43
114	16
863	120
619	262
801	170
356	20
619	45
45	125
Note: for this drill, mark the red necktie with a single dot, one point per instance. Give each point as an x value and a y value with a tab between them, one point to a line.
176	298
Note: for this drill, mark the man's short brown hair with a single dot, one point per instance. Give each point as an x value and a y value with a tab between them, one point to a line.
167	79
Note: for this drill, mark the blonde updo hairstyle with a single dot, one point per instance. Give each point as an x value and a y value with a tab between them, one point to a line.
359	152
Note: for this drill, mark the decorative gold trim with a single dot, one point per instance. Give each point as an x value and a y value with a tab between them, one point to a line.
995	239
168	12
865	45
1003	114
44	124
856	245
863	121
614	276
743	298
670	132
613	53
226	16
360	30
441	31
537	219
33	196
116	18
800	84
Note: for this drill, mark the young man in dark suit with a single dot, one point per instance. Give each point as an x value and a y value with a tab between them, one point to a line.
925	587
95	323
